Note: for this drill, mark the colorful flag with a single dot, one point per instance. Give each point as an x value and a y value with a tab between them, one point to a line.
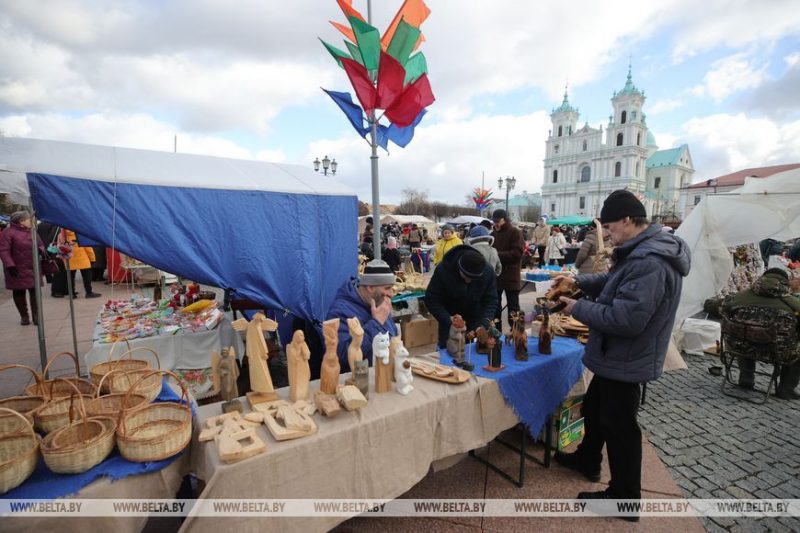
390	81
416	66
365	91
414	99
413	11
369	42
354	51
349	10
346	30
399	136
335	52
403	42
351	110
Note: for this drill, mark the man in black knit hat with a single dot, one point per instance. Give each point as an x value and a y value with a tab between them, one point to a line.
630	315
463	284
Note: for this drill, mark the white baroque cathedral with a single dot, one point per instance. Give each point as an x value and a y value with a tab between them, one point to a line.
580	170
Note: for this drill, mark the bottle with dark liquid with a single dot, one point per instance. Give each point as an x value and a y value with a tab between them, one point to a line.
545	335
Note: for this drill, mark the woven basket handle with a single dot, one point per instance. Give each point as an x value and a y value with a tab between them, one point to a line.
100	385
143	349
59	354
111	350
81	406
27	423
36	375
184	393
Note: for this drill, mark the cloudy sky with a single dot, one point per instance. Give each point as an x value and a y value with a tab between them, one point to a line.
242	78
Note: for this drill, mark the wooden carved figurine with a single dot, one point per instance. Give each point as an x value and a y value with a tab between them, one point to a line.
545	335
297	356
257	355
495	347
381	362
402	368
519	335
329	374
455	341
356	338
361	377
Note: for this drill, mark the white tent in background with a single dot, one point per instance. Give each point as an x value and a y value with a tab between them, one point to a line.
762	208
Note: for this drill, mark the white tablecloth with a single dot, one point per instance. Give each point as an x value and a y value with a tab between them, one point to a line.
179	350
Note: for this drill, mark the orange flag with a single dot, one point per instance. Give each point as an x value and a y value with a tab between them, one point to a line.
414	12
349	10
347	31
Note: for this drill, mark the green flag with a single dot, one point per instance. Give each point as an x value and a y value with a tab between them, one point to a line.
369	42
335	52
403	41
354	51
416	66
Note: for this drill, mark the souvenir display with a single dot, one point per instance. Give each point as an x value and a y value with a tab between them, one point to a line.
361	377
329	374
545	335
297	356
327	404
141	317
402	368
356	338
448	374
519	336
226	372
257	356
455	341
381	362
350	397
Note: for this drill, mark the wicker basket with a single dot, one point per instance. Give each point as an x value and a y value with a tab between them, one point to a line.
101	369
111	404
157	430
77	447
18	456
122	382
45	388
26	405
58	411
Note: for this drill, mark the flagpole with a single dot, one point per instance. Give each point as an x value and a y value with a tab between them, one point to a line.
373	135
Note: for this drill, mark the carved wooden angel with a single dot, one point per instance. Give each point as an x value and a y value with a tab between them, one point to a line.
225	373
297	356
356	338
329	373
256	350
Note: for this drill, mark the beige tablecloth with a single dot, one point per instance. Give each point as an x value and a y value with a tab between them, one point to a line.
380	451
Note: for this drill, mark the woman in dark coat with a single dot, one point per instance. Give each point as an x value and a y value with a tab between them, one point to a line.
17	256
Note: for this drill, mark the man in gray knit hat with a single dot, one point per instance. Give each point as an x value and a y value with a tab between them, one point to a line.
368	298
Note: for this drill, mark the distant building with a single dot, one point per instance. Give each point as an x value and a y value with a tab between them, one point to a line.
521	206
691	195
580	170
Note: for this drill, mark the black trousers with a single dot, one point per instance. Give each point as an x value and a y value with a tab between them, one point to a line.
541	250
22	305
609	413
790	375
512	299
59	285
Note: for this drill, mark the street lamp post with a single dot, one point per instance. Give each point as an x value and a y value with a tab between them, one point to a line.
326	164
510	181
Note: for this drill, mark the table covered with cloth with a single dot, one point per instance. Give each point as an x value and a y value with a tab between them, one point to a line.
534	388
380	451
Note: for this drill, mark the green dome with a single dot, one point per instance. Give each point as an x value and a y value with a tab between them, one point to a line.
629	88
564	107
651	139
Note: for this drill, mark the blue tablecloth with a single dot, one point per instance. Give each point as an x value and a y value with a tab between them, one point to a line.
536	387
44	484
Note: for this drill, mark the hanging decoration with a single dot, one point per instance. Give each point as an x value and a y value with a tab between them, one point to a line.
386	73
482	198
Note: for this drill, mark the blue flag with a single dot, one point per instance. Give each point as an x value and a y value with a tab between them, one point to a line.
351	110
399	136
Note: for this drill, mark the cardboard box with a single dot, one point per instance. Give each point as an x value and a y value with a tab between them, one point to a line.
420	332
567	423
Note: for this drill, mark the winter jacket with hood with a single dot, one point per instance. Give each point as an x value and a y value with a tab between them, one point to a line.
484	245
445	245
630	320
448	294
347	304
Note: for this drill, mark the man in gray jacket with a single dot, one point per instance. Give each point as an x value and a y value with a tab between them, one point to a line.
630	319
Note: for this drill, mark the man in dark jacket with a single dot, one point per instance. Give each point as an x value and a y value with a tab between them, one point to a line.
509	245
630	322
769	302
463	284
368	298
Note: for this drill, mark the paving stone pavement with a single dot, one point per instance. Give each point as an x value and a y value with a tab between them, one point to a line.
716	446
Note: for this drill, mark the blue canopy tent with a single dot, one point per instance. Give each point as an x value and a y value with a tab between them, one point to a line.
278	234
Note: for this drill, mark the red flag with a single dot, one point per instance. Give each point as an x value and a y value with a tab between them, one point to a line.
414	99
361	83
346	30
391	76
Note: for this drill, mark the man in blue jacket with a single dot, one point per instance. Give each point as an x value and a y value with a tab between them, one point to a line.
368	298
630	317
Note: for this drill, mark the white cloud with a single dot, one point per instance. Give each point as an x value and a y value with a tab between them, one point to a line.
792	60
729	75
665	140
664	106
724	143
